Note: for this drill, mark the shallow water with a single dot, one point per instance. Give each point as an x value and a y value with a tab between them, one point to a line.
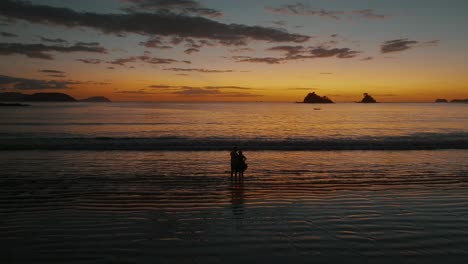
182	207
217	126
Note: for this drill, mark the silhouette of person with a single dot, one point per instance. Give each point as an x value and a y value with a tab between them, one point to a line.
234	161
242	166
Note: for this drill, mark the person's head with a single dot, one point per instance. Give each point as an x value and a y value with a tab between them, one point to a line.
234	148
240	151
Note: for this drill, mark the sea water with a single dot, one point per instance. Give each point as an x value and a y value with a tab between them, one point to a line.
149	183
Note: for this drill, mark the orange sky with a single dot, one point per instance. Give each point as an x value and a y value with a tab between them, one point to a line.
280	55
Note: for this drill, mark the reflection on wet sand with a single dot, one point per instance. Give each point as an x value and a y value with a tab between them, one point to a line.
237	196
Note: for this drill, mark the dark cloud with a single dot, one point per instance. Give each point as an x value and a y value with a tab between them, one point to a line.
280	23
191	50
179	6
300	53
8	35
146	59
397	45
368	58
300	9
303	10
51	71
341	53
156	23
289	50
41	51
90	61
56	75
197	70
242	50
33	84
110	68
88	44
57	40
155	42
369	14
268	60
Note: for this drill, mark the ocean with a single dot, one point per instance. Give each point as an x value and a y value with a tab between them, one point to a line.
149	183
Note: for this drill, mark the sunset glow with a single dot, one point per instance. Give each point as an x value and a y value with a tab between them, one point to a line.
398	51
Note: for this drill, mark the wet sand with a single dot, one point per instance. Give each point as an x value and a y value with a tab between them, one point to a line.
182	207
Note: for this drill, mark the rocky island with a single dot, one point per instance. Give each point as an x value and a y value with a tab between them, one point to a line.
460	101
313	98
96	99
441	100
368	99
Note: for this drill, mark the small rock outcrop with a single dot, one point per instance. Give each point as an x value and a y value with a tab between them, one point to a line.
460	101
49	97
313	98
368	99
441	100
96	99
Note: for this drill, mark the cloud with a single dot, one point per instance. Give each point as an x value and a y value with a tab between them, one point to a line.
369	14
288	50
135	92
179	6
280	23
32	84
90	61
191	50
368	58
197	70
146	59
56	75
242	50
8	35
197	91
156	23
300	9
218	91
51	71
268	60
300	53
341	53
398	45
155	42
87	44
303	89
41	51
57	40
110	68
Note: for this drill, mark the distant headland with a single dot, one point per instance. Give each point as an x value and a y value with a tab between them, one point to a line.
46	97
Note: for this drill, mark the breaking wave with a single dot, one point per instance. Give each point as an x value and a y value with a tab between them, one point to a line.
421	141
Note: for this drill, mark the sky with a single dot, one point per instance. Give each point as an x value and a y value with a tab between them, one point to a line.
220	50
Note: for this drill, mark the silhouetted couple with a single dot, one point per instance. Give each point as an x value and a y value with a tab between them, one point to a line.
238	165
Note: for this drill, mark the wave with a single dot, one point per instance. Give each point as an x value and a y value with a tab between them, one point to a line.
422	141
